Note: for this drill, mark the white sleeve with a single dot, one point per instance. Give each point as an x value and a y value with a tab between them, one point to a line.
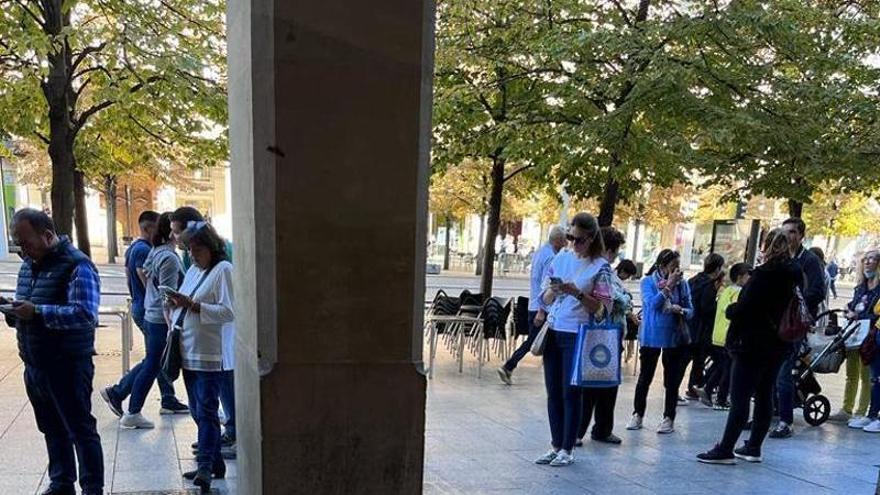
220	311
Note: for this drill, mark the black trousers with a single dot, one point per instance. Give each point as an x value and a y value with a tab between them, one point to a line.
750	375
695	354
718	377
598	402
672	376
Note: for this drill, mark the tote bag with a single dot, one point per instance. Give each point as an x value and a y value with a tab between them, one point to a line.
597	355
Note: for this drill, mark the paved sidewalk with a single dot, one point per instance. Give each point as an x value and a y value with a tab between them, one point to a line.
482	437
135	461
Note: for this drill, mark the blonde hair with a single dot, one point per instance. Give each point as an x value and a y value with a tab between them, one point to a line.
862	278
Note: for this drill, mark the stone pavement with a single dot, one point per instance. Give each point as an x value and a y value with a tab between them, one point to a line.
135	461
482	437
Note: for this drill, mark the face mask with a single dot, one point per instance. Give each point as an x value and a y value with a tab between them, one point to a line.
870	274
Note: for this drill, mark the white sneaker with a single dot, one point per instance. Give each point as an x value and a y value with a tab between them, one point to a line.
548	457
874	427
840	416
859	422
635	422
562	459
135	421
666	426
505	375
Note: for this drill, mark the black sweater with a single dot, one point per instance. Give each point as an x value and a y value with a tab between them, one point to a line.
755	317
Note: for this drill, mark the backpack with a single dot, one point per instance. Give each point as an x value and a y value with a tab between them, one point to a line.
796	320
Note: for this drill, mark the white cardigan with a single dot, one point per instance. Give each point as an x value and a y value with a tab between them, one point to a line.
201	340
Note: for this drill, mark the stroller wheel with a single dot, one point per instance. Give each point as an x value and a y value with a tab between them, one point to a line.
817	409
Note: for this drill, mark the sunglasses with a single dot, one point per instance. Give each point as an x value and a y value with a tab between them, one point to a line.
577	240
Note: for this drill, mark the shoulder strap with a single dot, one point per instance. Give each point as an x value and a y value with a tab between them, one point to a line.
182	316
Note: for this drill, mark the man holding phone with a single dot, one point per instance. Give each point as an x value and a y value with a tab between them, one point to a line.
55	313
537	311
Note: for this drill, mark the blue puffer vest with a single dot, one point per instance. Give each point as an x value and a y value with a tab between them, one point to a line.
48	283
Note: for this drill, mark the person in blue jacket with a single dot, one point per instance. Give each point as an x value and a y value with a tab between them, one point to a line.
666	307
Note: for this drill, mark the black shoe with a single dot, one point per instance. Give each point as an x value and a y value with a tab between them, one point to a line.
60	491
203	480
219	472
612	439
692	394
227	440
705	397
716	456
747	426
113	402
579	442
746	453
782	430
173	406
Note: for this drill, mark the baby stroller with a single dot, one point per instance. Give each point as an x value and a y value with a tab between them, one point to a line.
822	353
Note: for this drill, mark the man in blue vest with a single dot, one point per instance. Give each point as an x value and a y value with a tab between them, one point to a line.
55	313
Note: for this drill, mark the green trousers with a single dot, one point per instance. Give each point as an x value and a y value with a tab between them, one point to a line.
858	381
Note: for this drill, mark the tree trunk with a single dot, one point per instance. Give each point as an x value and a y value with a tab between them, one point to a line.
638	228
57	91
492	227
448	242
795	208
80	217
609	203
110	197
479	264
128	222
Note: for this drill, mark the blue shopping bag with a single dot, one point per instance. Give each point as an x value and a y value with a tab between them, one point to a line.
597	355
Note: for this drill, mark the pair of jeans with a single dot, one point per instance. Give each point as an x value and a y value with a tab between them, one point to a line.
203	391
718	377
750	375
672	377
227	400
563	399
123	389
599	402
61	397
874	411
858	382
526	346
785	388
155	335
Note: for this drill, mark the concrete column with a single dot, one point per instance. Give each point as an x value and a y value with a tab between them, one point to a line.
330	131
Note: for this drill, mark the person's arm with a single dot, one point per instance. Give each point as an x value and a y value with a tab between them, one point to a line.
815	291
220	311
139	256
652	297
687	303
169	272
83	300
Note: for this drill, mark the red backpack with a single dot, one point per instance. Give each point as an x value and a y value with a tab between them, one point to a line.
796	320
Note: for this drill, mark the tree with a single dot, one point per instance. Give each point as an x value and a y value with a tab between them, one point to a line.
485	96
798	110
159	65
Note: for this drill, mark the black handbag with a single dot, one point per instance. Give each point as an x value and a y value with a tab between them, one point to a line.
172	361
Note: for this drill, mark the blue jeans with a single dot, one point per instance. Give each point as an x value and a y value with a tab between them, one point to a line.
123	389
227	399
785	388
155	335
874	411
203	390
563	399
61	396
526	346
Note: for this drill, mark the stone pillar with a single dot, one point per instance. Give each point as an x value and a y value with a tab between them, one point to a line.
330	132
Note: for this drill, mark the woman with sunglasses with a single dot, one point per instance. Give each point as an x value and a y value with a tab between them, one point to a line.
575	288
666	306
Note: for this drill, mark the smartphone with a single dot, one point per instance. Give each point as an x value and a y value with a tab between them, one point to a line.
555	281
168	291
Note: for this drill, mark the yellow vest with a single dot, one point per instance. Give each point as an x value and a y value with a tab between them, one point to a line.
727	297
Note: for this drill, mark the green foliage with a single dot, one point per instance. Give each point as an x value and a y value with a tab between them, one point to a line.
147	80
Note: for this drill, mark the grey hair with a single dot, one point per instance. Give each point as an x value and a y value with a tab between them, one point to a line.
557	233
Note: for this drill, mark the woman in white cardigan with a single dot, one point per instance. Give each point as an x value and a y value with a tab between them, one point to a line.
201	309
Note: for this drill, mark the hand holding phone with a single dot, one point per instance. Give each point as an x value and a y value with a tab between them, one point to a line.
168	291
555	281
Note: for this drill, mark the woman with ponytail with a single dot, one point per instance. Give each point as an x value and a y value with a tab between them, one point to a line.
666	305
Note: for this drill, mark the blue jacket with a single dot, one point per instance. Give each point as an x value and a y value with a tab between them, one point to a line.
48	284
659	329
